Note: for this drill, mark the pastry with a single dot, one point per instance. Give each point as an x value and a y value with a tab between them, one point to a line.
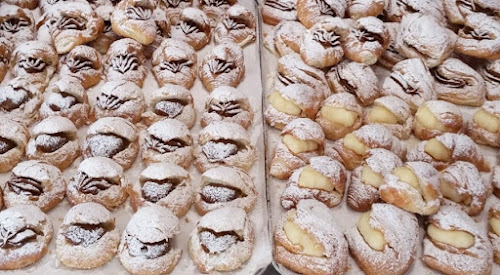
368	177
367	39
485	125
436	117
215	9
224	143
125	61
120	98
83	63
393	113
339	115
193	28
391	56
171	101
174	8
276	11
168	140
227	104
395	10
54	140
494	230
16	24
26	232
363	8
134	19
163	184
20	99
491	75
114	138
47	5
148	242
222	240
87	237
456	11
25	4
480	37
285	38
225	187
448	148
162	32
222	66
385	240
355	78
104	40
307	241
323	179
300	140
291	102
309	12
456	244
13	139
174	62
495	180
6	48
36	59
236	26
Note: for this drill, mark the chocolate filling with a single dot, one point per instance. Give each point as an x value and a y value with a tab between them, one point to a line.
169	108
217	242
61	101
25	186
6	145
219	193
326	38
175	66
163	147
218	150
107	27
405	86
450	82
89	185
14	25
32	65
344	82
109	101
86	234
70	23
189	27
77	64
280	5
491	75
225	109
219	66
325	8
476	7
48	143
139	13
123	63
214	3
106	145
476	34
155	190
155	250
286	80
12	98
364	36
234	23
12	240
173	3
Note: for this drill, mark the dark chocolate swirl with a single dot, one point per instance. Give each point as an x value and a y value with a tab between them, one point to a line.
233	24
218	66
454	82
175	66
364	35
163	147
139	13
403	83
32	65
188	27
109	102
76	64
89	185
214	3
326	38
225	109
123	63
12	98
6	145
11	239
280	5
14	25
25	186
70	23
325	8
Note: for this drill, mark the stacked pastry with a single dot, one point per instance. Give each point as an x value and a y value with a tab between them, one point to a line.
372	100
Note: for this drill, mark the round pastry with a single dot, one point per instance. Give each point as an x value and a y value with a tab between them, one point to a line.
168	140
456	244
16	24
163	184
355	78
100	180
391	56
363	8
171	101
310	12
323	179
35	59
339	115
385	240
25	4
491	75
147	244
367	39
480	37
395	10
54	140
87	237
162	31
222	240
174	8
215	9
456	11
291	102
224	143
436	117
236	26
104	40
21	98
494	230
485	125
301	139
120	98
458	83
227	104
26	232
393	113
134	19
193	28
83	63
285	38
174	62
114	138
369	176
307	241
13	139
276	11
125	61
6	48
222	66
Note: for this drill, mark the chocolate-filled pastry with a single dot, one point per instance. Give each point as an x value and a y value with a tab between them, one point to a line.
104	40
290	102
367	39
125	61
16	24
134	19
229	105
300	140
411	81
163	184
395	10
6	48
162	32
215	9
355	78
120	98
310	12
83	63
391	56
480	37
20	99
363	8
25	233
323	179
174	8
307	241
236	26
35	59
393	113
491	75
174	62
87	237
494	230
353	147
276	11
448	148
422	36
98	179
495	180
368	177
225	187
456	11
320	46
285	38
147	244
339	115
171	101
193	28
222	66
114	138
385	240
168	140
54	140
224	143
456	244
222	240
25	4
13	139
436	117
485	125
458	83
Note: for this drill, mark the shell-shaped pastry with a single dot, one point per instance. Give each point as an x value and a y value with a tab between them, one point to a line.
224	65
215	9
193	28
395	10
125	61
310	12
6	48
236	26
480	37
174	8
83	63
227	104
393	113
457	11
276	11
162	31
20	99
285	38
134	19
174	62
436	117
13	139
491	75
485	125
391	56
120	99
17	25
35	59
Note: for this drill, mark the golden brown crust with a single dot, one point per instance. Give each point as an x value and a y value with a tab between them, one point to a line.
236	26
193	28
447	114
17	133
134	19
125	61
310	12
480	134
276	11
223	66
357	9
83	63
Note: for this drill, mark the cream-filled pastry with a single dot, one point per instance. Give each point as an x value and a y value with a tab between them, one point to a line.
227	104
395	10
485	125
6	48
20	99
480	37
83	63
16	24
495	180
125	61
35	59
456	11
14	137
436	117
215	9
193	27
236	26
276	11
107	37
134	19
174	8
310	12
120	98
174	62
285	38
491	75
224	65
162	31
494	230
393	113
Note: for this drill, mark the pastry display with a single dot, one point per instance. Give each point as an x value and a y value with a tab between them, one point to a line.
16	24
174	8
14	137
367	39
21	98
222	66
484	127
125	61
457	11
276	11
193	27
494	230
491	75
83	63
391	56
6	48
285	38
174	62
229	105
480	37
236	26
310	12
363	8
120	98
134	19
393	113
36	59
436	117
395	10
215	9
